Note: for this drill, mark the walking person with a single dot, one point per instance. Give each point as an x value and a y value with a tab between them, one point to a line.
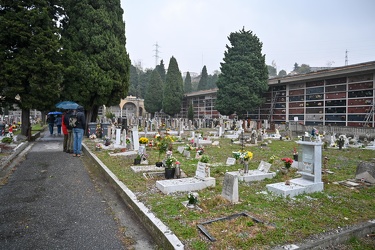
58	122
78	131
65	132
51	123
69	128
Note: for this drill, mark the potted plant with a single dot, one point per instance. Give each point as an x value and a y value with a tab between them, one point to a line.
163	144
340	142
169	165
205	159
137	160
192	199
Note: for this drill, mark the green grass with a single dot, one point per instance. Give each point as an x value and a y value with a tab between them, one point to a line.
293	219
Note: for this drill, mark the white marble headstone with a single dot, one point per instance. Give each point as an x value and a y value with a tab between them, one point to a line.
202	171
264	166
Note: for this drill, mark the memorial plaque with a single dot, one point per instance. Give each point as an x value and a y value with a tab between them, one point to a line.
181	149
230	161
187	154
264	166
202	171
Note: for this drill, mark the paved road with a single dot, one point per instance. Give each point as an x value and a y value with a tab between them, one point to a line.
50	202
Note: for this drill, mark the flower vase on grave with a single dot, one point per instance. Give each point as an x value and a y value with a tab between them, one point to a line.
177	172
246	167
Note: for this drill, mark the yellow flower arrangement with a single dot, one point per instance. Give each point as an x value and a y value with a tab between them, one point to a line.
143	140
247	155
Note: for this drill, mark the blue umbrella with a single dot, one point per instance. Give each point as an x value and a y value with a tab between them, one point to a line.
67	105
55	113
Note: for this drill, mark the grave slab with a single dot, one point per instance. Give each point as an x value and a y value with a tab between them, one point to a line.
184	185
146	168
258	174
201	180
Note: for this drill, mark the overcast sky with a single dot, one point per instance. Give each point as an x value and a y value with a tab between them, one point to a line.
196	32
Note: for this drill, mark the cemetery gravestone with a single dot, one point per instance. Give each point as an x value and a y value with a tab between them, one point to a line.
230	187
181	149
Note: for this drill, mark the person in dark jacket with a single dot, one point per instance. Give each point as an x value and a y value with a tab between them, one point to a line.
51	123
58	122
78	131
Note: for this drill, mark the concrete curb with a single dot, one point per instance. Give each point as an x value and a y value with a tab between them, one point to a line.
160	232
18	150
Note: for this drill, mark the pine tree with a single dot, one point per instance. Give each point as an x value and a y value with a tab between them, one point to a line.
97	64
154	94
173	89
244	75
29	58
203	82
188	87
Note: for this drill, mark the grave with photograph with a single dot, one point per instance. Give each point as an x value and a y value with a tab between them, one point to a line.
310	169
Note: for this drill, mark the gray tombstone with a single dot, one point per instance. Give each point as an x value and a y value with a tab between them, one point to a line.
366	172
230	187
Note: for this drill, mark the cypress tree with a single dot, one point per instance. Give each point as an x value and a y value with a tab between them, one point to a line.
95	56
244	75
188	87
173	89
203	82
154	94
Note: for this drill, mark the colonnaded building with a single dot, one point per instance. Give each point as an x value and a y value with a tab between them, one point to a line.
341	96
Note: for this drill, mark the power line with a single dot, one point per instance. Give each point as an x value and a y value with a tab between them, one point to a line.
156	53
346	58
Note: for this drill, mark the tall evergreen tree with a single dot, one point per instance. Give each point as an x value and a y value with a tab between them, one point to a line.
203	82
134	81
161	70
188	87
212	79
173	89
244	75
96	59
154	94
29	54
144	79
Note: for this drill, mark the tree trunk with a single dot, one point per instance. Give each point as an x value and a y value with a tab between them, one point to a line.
25	123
